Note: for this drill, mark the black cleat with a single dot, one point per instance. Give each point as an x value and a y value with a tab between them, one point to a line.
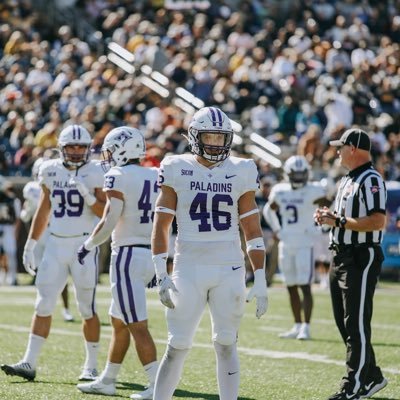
22	369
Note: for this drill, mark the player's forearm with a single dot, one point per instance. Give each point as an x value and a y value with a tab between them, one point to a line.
39	223
257	259
98	206
103	230
271	218
160	234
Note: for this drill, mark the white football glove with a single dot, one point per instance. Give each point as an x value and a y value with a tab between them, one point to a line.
28	257
165	284
259	291
83	190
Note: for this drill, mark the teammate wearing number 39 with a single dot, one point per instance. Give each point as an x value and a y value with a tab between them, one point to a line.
70	202
211	194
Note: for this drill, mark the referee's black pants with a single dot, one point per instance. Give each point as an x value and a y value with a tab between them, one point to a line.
353	277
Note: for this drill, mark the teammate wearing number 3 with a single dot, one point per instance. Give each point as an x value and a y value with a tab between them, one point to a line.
295	200
211	194
70	202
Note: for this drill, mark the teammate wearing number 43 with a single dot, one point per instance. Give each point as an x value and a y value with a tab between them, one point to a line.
128	217
211	195
70	202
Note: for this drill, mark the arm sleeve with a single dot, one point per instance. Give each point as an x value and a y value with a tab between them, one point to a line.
106	225
271	218
252	183
166	173
374	192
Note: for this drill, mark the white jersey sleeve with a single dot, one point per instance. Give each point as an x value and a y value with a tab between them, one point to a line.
139	187
31	192
70	215
31	195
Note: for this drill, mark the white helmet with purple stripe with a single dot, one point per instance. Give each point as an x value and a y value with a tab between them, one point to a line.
297	171
210	120
70	137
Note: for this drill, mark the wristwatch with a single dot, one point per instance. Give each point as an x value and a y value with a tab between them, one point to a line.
342	222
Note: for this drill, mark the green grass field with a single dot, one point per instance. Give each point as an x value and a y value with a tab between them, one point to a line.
271	368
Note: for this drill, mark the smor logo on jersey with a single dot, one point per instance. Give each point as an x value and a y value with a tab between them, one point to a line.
374	189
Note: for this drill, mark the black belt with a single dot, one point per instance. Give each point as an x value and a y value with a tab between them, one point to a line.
340	248
142	246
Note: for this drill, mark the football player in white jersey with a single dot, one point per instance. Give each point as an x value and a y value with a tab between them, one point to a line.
131	195
70	202
31	195
211	194
10	207
295	201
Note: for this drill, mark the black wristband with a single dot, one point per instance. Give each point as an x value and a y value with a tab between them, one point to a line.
337	222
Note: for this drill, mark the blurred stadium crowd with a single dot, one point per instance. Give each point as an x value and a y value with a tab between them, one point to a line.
297	72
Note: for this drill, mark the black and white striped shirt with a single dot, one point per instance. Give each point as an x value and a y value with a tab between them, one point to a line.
361	193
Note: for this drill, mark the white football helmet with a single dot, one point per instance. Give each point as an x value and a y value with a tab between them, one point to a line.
36	166
210	120
297	170
121	145
74	135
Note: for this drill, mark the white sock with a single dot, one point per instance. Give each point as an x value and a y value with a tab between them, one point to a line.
169	373
110	373
12	268
2	276
228	371
151	371
33	348
297	326
92	349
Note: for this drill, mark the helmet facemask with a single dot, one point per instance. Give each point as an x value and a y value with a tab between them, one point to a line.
206	123
297	170
298	179
75	159
72	136
211	152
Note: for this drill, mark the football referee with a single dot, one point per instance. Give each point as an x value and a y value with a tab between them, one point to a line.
357	222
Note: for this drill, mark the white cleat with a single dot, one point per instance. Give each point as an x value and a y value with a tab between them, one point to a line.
292	334
97	387
68	317
304	333
145	395
88	374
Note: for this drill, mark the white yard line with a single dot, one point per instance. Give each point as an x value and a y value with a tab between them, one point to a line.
25	300
317	358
